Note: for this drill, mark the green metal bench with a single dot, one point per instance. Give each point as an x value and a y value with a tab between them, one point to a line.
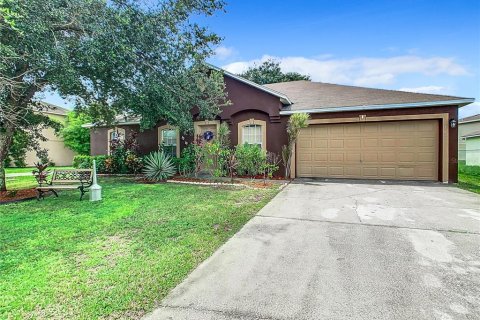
68	179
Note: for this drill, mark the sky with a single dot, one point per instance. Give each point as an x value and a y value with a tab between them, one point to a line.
430	46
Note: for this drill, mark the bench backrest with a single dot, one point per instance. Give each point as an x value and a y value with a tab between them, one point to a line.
72	176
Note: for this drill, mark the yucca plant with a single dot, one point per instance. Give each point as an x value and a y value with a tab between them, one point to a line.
158	166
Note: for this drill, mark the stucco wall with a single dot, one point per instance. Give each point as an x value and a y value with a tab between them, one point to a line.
473	151
58	153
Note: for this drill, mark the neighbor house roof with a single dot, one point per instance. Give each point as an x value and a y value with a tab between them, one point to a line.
473	118
472	134
308	96
54	109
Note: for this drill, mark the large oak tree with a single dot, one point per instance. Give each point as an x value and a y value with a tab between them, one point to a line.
269	71
145	58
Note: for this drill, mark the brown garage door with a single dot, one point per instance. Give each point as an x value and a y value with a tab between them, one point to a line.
405	150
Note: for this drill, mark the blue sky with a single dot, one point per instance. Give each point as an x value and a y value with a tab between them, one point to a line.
425	46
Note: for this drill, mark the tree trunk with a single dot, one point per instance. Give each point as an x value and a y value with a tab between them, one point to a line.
6	137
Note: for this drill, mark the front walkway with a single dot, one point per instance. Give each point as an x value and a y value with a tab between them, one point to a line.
344	251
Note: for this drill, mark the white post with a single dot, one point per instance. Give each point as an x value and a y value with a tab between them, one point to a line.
95	189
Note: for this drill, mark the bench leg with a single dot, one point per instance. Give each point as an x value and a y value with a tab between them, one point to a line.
82	192
54	192
39	195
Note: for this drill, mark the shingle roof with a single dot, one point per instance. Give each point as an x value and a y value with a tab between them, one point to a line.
54	109
470	119
308	95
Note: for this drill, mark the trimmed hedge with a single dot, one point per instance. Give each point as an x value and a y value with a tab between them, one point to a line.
86	162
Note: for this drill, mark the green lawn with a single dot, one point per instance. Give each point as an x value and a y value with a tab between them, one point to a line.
30	169
65	259
469	177
23	182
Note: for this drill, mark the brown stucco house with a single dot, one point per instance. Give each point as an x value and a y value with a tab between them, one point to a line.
354	132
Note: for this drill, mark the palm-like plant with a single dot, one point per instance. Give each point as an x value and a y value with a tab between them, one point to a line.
158	166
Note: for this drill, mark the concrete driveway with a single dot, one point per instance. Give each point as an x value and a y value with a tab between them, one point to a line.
340	250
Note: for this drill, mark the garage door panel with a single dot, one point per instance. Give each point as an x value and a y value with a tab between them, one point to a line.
370	172
388	142
406	157
425	172
370	143
353	143
376	150
353	157
370	157
336	143
304	156
320	143
336	171
427	142
304	143
388	172
388	157
353	171
336	157
320	171
426	157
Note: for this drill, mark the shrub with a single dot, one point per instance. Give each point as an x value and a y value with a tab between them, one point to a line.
41	173
86	162
158	166
100	161
82	162
186	163
215	158
270	165
249	159
224	135
134	163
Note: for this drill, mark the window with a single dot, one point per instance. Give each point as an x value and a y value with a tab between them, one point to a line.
169	141
115	134
252	134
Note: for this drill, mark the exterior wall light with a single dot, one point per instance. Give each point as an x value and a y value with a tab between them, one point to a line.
453	123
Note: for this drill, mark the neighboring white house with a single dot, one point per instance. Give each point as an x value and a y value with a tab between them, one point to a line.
469	140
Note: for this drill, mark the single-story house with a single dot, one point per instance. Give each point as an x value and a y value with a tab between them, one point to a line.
354	132
469	140
58	153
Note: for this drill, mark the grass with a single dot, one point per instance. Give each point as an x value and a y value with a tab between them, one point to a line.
469	177
24	182
65	259
29	169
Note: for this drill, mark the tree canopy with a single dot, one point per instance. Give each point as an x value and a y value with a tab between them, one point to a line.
144	58
270	72
74	135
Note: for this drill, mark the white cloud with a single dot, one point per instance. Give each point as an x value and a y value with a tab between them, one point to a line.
470	110
360	71
426	89
223	53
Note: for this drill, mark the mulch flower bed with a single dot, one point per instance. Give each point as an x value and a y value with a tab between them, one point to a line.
17	195
250	183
